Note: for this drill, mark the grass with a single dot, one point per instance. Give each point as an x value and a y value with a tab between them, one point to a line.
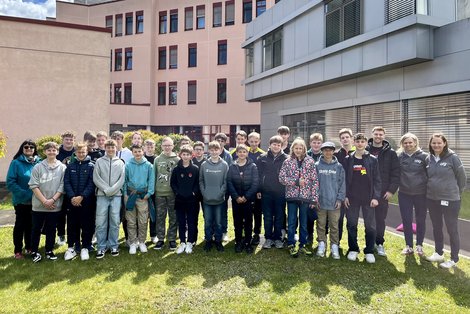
268	281
6	203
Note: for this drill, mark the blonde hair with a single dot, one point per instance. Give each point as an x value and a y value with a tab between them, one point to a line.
301	142
406	136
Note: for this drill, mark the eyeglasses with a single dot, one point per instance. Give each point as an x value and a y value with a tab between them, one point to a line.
28	147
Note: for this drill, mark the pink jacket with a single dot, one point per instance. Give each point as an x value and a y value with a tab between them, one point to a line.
291	173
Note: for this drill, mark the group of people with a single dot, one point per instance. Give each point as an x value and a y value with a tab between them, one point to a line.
97	184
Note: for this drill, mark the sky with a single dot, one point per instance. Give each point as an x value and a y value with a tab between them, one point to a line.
35	9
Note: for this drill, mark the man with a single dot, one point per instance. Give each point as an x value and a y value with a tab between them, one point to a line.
390	175
240	138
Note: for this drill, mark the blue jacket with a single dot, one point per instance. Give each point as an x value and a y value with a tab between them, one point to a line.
78	178
139	176
332	180
18	177
243	184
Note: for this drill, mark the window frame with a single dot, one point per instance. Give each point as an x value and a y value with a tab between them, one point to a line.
161	91
221	44
173	21
129	30
341	9
192	84
109	23
201	17
192	51
222	91
128	58
119	25
260	7
118	59
230	3
139	22
269	45
162	55
162	22
188	15
117	91
175	64
245	8
172	88
127	93
217	6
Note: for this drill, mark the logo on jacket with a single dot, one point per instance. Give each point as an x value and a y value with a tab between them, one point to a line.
443	164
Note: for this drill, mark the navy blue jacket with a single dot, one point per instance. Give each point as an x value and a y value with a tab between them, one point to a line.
268	170
78	179
245	184
372	166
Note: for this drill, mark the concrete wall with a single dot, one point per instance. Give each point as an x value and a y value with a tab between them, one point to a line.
53	78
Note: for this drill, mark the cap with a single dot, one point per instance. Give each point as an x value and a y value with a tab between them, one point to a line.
330	145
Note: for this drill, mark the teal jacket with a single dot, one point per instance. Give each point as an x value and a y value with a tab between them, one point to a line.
139	176
18	177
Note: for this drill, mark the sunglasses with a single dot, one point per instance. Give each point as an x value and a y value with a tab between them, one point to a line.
28	147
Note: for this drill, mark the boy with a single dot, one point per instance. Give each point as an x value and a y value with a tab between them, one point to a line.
240	138
164	196
138	188
284	132
225	155
185	184
108	176
101	138
332	192
316	140
184	140
363	186
213	186
254	152
121	152
198	152
149	150
272	193
136	138
90	139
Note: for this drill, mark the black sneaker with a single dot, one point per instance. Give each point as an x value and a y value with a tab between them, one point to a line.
208	246
91	248
50	255
36	257
249	249
255	240
100	254
159	245
219	246
114	252
172	245
239	247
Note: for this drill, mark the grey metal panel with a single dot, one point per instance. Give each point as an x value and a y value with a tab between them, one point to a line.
424	42
276	83
372	14
315	72
289	7
332	66
333	92
374	54
351	61
266	86
249	31
381	83
295	100
301	76
258	57
249	91
278	11
275	105
288	78
288	43
442	9
401	46
257	89
315	27
300	3
302	36
267	18
452	38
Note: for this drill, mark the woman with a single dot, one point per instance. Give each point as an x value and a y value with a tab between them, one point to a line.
412	193
299	175
446	182
18	177
47	184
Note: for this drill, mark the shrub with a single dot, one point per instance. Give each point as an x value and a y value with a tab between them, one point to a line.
156	137
43	140
3	144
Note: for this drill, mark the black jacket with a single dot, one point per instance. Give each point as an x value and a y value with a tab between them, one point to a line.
268	170
78	179
341	155
185	182
389	167
372	166
245	184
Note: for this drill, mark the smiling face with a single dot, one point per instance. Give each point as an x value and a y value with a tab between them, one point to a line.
360	144
409	145
242	154
275	148
51	153
214	152
378	137
186	157
345	139
136	139
81	153
110	151
253	142
240	139
68	142
437	145
100	141
138	153
28	150
315	145
299	151
167	146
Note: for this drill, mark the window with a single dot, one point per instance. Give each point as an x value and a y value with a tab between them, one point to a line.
397	9
109	23
276	1
200	17
249	65
222	52
173	57
162	22
128	59
247	11
229	12
217	14
192	55
188	19
118	60
161	94
161	58
260	7
117	93
192	88
272	49
139	22
174	21
343	20
129	23
111	61
221	91
172	93
128	93
118	25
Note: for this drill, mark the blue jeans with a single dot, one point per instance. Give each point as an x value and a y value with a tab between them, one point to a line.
297	210
213	221
406	203
273	213
107	213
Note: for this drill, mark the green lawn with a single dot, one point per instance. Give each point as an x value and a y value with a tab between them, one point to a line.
268	281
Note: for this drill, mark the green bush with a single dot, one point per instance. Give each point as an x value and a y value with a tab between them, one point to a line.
45	139
3	144
156	137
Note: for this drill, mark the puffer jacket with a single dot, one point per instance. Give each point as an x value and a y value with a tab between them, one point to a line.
268	170
290	174
78	178
245	184
389	166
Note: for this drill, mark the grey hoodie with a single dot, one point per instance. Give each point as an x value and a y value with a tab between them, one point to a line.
213	181
332	180
446	178
108	176
49	180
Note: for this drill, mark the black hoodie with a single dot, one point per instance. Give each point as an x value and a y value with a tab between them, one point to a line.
185	182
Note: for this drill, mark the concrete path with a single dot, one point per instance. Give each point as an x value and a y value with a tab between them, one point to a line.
7	218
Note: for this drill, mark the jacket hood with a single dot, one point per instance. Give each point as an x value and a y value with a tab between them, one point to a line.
449	153
172	155
75	159
248	161
209	160
180	163
385	144
54	166
134	161
22	158
333	161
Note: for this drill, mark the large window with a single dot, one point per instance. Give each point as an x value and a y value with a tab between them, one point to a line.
128	93
230	12
161	58
139	22
128	59
162	22
247	11
222	52
192	92
161	94
117	94
217	14
174	21
118	25
249	65
221	91
188	18
343	20
118	60
200	17
260	7
109	23
129	23
173	57
272	49
172	93
192	55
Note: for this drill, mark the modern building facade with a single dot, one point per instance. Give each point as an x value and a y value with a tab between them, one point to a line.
176	66
51	80
319	66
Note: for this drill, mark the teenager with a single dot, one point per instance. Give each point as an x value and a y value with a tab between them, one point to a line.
149	151
316	140
284	132
19	174
446	182
93	151
121	152
240	138
225	155
101	138
198	159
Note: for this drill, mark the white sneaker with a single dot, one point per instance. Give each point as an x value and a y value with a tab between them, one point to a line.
268	244
154	240
225	237
143	248
435	258
296	237
321	249
189	248
132	249
447	265
370	258
84	255
335	251
70	254
419	250
407	251
181	248
352	255
381	250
